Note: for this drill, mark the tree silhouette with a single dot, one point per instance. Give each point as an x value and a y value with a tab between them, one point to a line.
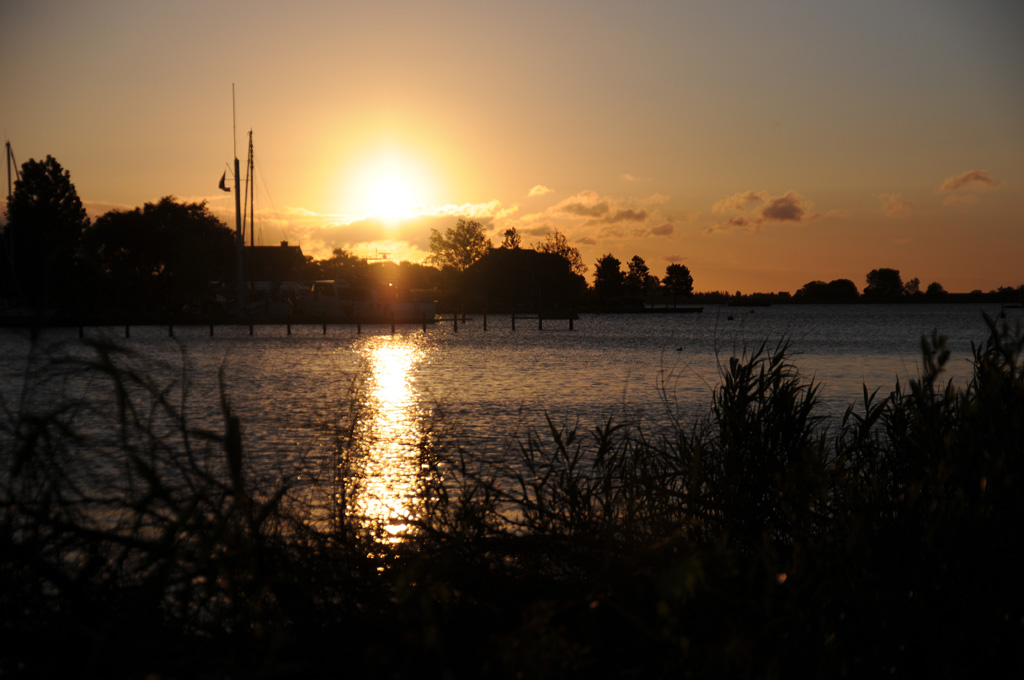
884	283
459	247
678	280
638	277
838	290
45	221
557	243
161	257
512	239
608	278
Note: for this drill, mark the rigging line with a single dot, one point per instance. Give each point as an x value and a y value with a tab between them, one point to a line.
277	213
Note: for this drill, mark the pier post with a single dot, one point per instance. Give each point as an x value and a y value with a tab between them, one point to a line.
211	330
81	332
513	320
455	322
325	328
392	323
540	322
289	329
250	329
423	317
170	330
570	322
127	332
485	322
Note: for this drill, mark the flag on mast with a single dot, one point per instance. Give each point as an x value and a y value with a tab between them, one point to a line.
223	186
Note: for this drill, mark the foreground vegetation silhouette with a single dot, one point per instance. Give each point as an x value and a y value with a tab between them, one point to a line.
757	540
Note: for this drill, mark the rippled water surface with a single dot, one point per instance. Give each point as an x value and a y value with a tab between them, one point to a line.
296	393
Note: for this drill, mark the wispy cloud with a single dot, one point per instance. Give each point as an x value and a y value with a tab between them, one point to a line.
751	209
629	177
539	190
971	178
893	205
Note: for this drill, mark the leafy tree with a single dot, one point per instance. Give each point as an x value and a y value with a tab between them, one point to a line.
162	256
935	290
912	287
343	265
884	283
838	290
608	278
45	221
678	280
639	280
557	243
636	273
459	247
512	239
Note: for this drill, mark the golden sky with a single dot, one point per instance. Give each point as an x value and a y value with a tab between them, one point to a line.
763	144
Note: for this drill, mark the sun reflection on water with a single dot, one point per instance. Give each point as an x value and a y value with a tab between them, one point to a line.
387	436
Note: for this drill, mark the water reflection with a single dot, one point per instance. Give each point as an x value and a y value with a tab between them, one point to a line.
383	465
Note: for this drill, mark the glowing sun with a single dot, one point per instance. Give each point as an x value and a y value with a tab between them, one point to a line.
389	187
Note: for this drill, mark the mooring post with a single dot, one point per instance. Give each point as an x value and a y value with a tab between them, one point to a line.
325	328
423	317
81	332
289	328
211	330
250	329
485	322
455	322
570	321
392	322
540	322
170	330
127	332
359	327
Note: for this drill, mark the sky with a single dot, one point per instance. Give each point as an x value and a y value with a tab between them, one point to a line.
762	144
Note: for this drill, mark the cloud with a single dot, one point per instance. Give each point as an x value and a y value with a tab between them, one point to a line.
472	210
751	209
584	204
539	190
893	205
665	229
655	199
627	215
738	201
628	177
969	178
785	208
965	200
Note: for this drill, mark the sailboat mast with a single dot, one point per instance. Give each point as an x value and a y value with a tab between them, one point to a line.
239	232
251	172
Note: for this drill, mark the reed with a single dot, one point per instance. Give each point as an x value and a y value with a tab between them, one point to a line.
757	539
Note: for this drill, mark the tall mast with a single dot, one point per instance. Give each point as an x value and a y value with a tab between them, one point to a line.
239	232
251	174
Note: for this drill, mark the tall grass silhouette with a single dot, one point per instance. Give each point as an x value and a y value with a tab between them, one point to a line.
758	539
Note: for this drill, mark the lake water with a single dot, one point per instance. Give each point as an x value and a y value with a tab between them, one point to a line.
296	394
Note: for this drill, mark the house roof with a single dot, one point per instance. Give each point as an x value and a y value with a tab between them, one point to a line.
272	263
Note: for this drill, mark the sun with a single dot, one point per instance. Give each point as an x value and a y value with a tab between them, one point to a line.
387	186
390	197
